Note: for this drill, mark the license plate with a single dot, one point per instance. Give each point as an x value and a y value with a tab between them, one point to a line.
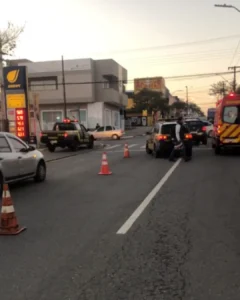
53	142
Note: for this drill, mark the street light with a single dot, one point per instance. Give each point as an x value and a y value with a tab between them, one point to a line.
226	6
176	91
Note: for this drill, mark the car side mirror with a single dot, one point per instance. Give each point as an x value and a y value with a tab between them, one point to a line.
31	148
24	150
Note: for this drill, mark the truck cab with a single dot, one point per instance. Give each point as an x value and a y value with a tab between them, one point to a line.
68	133
227	124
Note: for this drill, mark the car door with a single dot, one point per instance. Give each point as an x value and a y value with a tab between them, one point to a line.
26	159
85	134
99	133
9	161
109	131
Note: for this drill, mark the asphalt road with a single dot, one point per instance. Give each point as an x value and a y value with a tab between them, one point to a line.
184	244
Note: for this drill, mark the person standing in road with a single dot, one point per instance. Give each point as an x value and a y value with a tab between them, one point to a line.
180	131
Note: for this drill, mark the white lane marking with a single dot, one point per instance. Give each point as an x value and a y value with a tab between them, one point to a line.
133	145
111	147
143	147
127	137
130	221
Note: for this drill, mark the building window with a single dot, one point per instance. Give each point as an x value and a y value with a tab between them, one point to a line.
106	84
43	84
49	118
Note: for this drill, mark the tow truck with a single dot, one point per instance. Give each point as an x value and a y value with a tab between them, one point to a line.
226	133
68	133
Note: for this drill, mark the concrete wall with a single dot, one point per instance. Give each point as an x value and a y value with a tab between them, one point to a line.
95	114
76	71
111	71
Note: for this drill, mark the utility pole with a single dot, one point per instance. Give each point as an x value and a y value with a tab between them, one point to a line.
234	76
64	89
187	100
223	89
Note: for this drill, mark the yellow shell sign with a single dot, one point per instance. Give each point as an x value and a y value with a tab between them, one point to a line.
16	100
12	76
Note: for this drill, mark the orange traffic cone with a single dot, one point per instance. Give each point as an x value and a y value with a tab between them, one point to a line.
126	153
104	167
8	224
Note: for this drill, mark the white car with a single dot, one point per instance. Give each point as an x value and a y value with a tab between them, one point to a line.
18	161
209	128
107	132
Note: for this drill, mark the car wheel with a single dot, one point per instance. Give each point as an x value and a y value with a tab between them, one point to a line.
217	150
210	133
41	172
204	142
51	148
91	143
1	185
115	137
156	153
149	151
74	146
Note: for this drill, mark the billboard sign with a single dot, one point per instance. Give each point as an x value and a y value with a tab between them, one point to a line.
153	83
16	95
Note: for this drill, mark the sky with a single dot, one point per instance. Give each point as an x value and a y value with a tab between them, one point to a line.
148	37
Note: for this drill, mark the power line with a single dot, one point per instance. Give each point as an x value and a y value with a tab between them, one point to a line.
235	52
177	45
181	55
190	76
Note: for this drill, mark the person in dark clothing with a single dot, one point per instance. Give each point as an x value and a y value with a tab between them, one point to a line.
97	126
180	131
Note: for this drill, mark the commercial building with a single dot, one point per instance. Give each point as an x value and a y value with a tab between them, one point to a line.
95	90
146	117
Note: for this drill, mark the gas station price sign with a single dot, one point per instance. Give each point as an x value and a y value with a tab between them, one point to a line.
21	123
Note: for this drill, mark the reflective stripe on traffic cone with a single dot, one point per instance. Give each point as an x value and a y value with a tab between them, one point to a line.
104	167
126	153
8	224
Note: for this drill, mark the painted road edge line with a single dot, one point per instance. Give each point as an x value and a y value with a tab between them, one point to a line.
135	215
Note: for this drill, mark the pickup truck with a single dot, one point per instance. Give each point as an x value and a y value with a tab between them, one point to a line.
69	134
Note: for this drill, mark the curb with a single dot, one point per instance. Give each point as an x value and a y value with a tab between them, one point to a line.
72	154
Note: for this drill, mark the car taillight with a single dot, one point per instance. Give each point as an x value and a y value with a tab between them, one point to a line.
65	135
161	137
188	136
204	128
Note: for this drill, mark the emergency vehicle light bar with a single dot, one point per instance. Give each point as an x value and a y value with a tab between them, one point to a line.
69	121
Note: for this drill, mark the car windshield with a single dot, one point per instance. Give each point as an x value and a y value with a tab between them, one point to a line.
168	129
231	114
65	126
193	125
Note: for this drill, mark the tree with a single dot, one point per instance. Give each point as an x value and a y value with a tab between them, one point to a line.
182	106
8	39
151	101
195	109
221	88
179	105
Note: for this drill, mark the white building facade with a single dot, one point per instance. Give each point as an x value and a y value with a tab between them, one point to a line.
95	91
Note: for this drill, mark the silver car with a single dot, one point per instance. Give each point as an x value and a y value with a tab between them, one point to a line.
18	161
